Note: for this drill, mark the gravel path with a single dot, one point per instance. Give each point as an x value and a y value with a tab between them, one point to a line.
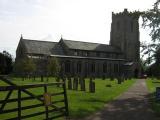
131	105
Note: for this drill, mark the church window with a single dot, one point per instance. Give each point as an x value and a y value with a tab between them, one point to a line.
97	54
131	26
115	68
118	25
107	55
75	53
105	68
86	53
93	68
110	67
67	66
79	67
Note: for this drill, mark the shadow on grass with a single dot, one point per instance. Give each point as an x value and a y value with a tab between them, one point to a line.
155	104
155	82
94	100
135	108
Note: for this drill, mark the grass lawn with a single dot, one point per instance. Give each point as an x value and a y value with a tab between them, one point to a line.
152	84
80	103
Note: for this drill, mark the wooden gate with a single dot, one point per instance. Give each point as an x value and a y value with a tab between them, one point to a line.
46	100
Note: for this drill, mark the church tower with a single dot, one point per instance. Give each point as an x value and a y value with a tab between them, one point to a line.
125	35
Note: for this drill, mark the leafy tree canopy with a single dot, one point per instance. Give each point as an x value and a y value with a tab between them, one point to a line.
53	66
151	19
25	65
6	63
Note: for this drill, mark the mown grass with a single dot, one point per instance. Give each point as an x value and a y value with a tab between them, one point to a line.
152	83
80	103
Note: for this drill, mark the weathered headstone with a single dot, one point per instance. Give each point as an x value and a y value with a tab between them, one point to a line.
69	83
119	80
75	83
42	78
91	85
83	87
103	77
34	78
122	78
158	93
111	78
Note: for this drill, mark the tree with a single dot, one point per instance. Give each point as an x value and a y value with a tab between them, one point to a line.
6	63
151	19
25	66
148	50
53	67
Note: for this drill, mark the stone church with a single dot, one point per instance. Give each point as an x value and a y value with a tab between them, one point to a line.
120	57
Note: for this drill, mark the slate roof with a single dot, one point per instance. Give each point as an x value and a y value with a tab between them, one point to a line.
55	48
42	47
79	45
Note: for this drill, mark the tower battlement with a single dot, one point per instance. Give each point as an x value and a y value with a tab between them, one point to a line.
135	14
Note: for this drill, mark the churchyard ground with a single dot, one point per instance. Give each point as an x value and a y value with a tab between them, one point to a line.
81	103
152	83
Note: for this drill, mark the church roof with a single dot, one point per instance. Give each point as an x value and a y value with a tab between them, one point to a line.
55	48
42	47
79	45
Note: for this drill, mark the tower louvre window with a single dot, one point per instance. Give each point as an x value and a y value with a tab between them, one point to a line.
118	25
131	26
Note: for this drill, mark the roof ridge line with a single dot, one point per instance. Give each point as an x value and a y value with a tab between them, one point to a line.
86	42
39	40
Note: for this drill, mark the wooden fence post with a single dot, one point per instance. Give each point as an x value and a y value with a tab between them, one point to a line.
65	98
46	107
19	103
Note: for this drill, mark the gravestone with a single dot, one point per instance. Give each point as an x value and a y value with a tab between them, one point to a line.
69	83
91	85
119	80
42	78
83	87
111	78
75	83
103	77
158	93
79	80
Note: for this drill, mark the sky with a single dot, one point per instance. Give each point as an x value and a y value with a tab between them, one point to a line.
81	20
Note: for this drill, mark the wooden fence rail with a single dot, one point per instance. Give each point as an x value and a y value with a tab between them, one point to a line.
63	110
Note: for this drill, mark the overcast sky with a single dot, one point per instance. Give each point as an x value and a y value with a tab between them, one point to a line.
82	20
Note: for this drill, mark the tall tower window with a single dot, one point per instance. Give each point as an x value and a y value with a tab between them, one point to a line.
118	25
131	26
